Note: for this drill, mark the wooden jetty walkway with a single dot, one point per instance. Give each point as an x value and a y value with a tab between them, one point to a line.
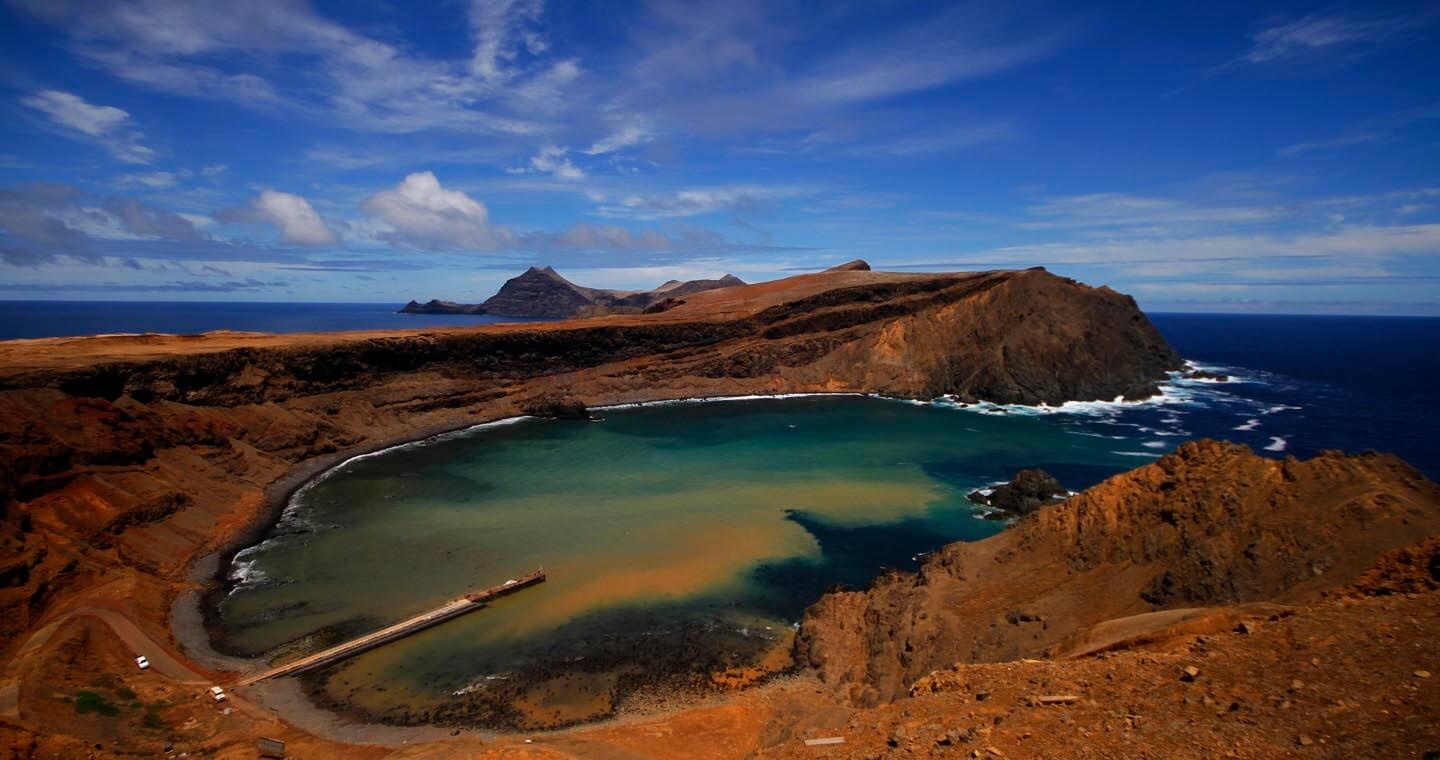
451	609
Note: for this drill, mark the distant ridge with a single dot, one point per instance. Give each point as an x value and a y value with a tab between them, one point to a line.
543	292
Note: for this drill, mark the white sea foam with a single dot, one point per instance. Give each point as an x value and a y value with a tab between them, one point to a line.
1277	443
1250	424
1172	392
1154	444
243	570
1235	376
1169	394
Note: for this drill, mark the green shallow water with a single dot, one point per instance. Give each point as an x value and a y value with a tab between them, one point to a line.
678	539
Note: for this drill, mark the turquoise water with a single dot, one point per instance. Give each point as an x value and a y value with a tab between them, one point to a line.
679	540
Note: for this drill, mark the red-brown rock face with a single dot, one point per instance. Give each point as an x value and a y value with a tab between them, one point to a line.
1210	524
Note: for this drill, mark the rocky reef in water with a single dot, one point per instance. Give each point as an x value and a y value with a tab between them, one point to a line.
1026	492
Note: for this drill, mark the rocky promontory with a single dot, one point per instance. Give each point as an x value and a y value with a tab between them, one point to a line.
1209	525
541	292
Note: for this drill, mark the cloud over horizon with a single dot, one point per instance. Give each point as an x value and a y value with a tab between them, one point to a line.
294	145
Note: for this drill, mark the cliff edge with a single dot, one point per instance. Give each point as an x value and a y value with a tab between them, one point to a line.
1209	525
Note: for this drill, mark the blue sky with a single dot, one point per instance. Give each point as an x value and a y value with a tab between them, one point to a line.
1202	156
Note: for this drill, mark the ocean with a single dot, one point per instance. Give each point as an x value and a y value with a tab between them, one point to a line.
51	319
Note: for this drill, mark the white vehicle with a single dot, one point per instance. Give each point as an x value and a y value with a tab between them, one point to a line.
217	693
142	663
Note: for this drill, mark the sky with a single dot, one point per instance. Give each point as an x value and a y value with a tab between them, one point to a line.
1207	156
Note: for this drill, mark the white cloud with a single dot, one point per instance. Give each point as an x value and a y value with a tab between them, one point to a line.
72	111
627	136
107	125
421	212
297	220
554	161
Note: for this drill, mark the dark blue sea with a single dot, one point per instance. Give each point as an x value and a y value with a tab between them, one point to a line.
1300	384
48	319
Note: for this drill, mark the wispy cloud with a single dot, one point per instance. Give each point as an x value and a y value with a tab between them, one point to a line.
1327	146
108	126
1319	32
44	222
551	160
963	43
728	66
629	135
1135	214
699	201
208	50
248	285
152	180
932	142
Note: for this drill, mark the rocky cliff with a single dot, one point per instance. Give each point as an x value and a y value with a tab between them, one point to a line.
1211	524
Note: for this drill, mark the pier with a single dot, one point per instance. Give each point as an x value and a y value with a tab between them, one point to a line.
451	609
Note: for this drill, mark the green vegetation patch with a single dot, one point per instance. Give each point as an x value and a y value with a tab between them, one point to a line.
89	701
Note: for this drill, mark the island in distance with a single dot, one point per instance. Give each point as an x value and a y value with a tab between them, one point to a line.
542	292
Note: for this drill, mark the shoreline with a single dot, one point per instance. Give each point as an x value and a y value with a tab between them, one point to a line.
193	613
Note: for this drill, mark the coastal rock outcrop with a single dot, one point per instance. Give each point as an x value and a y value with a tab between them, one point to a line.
557	408
1026	492
1210	524
541	292
436	306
